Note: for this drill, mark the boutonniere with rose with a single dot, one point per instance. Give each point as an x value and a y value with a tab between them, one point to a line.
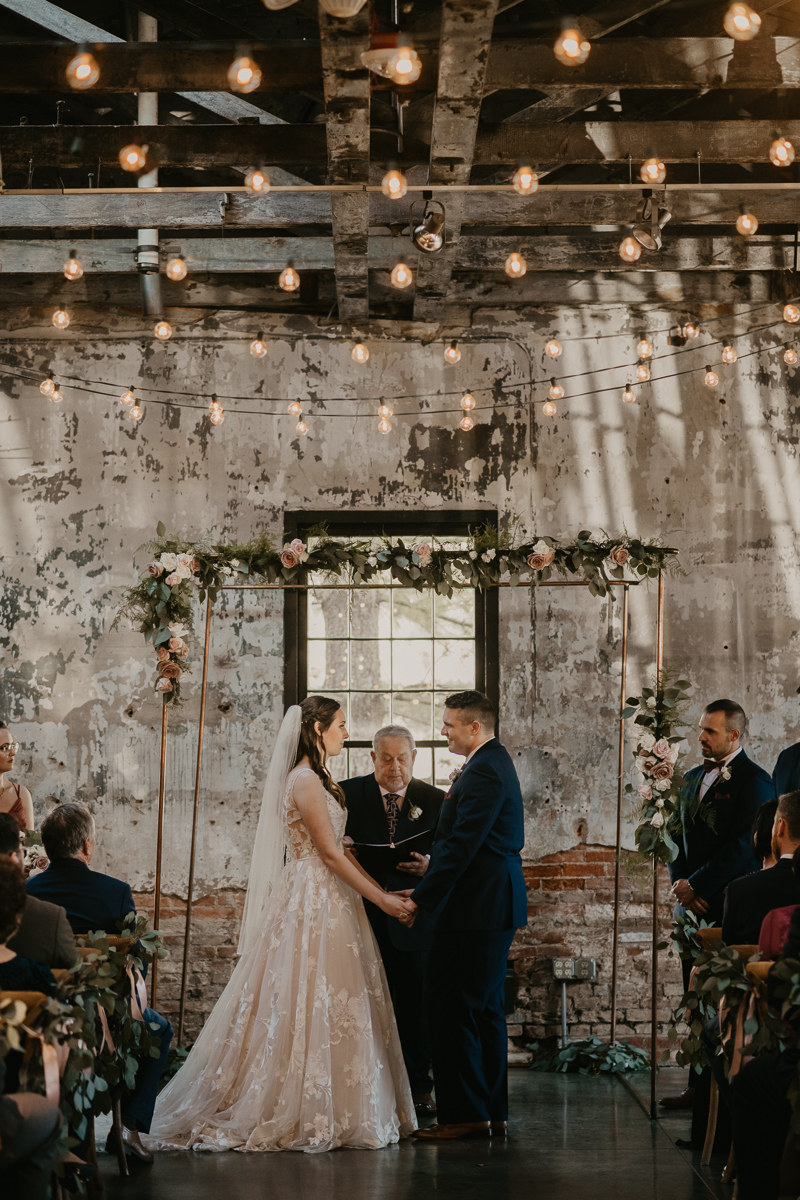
414	813
456	774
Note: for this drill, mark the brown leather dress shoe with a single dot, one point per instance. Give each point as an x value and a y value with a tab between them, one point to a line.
449	1133
499	1129
684	1099
424	1105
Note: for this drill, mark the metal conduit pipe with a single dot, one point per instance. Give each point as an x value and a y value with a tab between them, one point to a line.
147	256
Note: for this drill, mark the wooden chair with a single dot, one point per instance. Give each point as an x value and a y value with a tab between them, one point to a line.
707	936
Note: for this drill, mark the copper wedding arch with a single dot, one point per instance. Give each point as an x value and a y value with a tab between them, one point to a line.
626	586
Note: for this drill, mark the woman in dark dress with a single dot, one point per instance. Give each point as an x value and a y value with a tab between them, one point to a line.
14	798
17	974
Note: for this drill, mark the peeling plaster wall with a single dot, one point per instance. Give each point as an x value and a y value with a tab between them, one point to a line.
712	472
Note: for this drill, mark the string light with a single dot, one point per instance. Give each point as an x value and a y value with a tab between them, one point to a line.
257	180
746	223
553	348
791	314
549	408
133	157
781	152
629	396
515	266
216	413
359	353
61	318
401	276
258	347
405	66
385	411
741	23
571	49
452	354
644	347
466	423
790	356
711	378
162	330
82	71
47	386
295	408
525	180
176	269
653	171
288	280
690	330
127	398
629	249
729	354
468	402
394	184
136	412
56	396
72	267
301	428
642	372
556	391
384	425
244	75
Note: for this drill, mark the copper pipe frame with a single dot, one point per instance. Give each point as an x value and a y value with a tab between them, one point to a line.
159	847
618	841
187	936
654	972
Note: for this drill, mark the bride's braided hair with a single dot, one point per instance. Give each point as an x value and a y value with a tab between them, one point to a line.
322	709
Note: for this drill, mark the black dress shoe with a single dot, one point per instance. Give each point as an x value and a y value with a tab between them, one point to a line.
686	1144
499	1129
424	1105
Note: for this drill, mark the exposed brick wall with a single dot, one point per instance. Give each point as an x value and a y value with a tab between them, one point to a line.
570	915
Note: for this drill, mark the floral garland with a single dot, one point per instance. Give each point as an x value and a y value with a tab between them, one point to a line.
657	713
160	605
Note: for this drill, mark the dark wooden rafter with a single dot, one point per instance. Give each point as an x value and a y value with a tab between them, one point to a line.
465	40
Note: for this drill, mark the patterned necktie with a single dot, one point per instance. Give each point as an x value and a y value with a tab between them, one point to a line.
392	814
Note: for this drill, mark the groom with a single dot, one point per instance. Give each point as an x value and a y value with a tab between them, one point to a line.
476	865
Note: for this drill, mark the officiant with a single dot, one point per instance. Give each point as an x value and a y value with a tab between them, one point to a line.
391	818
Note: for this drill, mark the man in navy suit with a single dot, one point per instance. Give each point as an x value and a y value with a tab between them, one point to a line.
786	772
95	901
391	818
476	877
719	805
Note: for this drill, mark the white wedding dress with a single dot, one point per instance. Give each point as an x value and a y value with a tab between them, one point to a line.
301	1051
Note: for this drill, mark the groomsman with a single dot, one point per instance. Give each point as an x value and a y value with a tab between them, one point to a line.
390	819
786	772
476	870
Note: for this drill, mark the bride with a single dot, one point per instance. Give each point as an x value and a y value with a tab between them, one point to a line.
301	1051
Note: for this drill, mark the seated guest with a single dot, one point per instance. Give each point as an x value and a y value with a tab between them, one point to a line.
17	974
96	901
30	1128
749	899
44	932
14	798
391	818
761	836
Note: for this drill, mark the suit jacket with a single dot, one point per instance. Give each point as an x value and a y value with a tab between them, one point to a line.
749	899
476	866
786	773
367	826
92	900
710	858
45	935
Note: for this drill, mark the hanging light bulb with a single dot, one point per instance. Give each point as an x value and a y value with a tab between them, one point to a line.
136	412
746	222
452	354
127	398
295	408
385	411
644	347
55	396
690	330
791	314
556	391
781	152
384	426
741	23
629	249
402	276
47	386
359	353
288	280
553	348
515	266
301	428
405	66
466	423
790	356
642	372
468	402
258	347
162	330
653	171
257	180
711	378
216	413
133	157
570	48
176	269
549	408
244	75
394	184
60	318
729	354
82	71
629	396
525	180
72	268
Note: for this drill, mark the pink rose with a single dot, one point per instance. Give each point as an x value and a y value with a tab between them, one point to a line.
169	670
42	863
163	685
646	792
155	569
173	580
662	770
662	748
619	556
423	553
537	562
186	560
289	558
195	564
162	653
178	646
300	549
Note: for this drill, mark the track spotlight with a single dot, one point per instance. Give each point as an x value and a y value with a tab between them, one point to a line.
741	22
392	56
428	234
405	65
571	49
650	221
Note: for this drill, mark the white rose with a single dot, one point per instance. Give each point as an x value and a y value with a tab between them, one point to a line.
178	629
651	701
663	785
185	560
657	820
541	547
646	741
473	553
372	560
169	561
659	802
235	562
184	572
488	556
226	571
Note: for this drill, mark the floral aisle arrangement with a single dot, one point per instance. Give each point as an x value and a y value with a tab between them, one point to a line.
160	605
657	717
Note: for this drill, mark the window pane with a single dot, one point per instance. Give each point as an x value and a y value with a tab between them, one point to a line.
445	764
455	665
371	665
423	765
412	664
455	617
368	711
413	613
317	665
414	711
327	666
351	762
327	614
370	613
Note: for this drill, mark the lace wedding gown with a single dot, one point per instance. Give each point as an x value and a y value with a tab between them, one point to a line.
301	1051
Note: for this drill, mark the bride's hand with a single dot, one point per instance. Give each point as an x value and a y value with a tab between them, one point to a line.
394	906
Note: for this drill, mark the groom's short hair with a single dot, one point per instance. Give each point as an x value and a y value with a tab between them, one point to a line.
473	706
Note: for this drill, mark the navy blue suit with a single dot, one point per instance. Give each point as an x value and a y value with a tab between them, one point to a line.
476	877
786	773
404	951
95	901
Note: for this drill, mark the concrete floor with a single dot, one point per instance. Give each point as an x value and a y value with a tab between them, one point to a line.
571	1136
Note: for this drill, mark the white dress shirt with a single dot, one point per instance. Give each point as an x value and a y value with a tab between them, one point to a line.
400	793
712	776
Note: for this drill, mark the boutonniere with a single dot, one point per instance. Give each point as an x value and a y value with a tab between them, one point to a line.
414	813
725	773
454	775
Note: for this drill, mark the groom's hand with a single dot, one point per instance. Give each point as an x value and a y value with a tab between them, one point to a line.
410	915
418	865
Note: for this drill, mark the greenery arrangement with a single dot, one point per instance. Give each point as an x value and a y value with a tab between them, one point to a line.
593	1057
160	604
658	715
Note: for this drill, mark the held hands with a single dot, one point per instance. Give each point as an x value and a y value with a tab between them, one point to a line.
396	905
685	894
418	865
